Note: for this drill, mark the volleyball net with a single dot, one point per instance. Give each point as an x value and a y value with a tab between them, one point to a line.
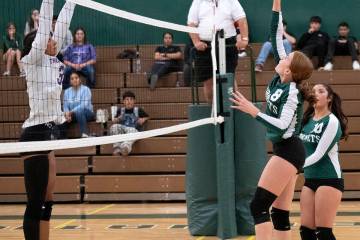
117	54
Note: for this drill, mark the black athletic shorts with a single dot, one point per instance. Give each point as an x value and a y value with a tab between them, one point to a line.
315	183
292	150
42	132
203	62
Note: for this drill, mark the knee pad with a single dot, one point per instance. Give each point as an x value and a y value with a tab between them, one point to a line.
261	204
46	211
280	219
324	233
307	233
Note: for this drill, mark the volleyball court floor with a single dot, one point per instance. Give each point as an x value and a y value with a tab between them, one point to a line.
145	221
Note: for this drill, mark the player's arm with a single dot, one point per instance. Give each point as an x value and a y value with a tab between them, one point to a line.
63	24
277	30
287	113
41	40
327	141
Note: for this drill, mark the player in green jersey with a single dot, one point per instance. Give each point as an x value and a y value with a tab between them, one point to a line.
284	96
324	124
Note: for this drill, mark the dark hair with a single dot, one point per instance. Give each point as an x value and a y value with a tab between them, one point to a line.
343	24
79	29
334	106
8	26
28	40
128	94
31	21
172	36
316	19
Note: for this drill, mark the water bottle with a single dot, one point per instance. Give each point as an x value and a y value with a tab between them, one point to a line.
137	61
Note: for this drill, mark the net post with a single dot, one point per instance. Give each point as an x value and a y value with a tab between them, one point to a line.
224	134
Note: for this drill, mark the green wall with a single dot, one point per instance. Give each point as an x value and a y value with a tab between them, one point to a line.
105	30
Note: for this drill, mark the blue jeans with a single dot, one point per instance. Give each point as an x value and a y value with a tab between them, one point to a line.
82	116
88	72
267	49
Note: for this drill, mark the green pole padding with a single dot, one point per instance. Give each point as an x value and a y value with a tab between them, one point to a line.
201	190
225	160
250	160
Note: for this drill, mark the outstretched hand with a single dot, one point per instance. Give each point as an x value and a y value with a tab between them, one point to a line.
244	105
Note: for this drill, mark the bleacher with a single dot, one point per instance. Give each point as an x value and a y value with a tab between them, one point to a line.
155	170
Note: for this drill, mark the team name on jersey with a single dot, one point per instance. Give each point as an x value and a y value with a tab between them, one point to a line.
271	98
311	138
54	60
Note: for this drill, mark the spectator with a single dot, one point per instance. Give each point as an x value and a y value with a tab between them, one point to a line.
12	47
343	45
129	119
166	59
77	104
80	56
229	14
33	22
314	42
68	39
288	39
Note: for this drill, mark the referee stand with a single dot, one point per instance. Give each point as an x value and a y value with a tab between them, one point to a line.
224	163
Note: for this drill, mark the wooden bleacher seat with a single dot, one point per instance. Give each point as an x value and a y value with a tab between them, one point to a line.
156	145
139	164
111	66
12	189
139	80
112	81
12	83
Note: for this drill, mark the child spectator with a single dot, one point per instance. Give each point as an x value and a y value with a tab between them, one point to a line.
343	45
33	23
166	60
80	56
12	47
77	104
289	41
314	42
129	119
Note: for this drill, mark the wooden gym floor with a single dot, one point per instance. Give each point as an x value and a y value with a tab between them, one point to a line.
144	221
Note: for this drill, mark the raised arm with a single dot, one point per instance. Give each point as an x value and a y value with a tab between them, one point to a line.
327	141
277	30
43	33
63	24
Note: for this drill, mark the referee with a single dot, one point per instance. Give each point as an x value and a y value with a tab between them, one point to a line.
209	15
44	74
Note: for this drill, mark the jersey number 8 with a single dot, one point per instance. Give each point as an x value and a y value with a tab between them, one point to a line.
276	95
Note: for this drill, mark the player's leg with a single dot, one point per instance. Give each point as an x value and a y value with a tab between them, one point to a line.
280	212
307	209
277	174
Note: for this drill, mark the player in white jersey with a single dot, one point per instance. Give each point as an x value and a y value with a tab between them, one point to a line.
44	74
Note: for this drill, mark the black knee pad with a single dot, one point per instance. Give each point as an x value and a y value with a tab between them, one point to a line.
280	219
261	204
46	211
324	233
307	233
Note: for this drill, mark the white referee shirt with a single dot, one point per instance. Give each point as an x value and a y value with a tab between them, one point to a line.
211	15
44	73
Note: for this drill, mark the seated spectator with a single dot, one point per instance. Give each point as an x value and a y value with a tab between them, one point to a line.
81	57
129	119
289	41
166	60
343	45
77	104
12	46
314	42
67	42
33	22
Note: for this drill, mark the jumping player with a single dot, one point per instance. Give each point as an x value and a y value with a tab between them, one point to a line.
324	124
284	96
44	74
